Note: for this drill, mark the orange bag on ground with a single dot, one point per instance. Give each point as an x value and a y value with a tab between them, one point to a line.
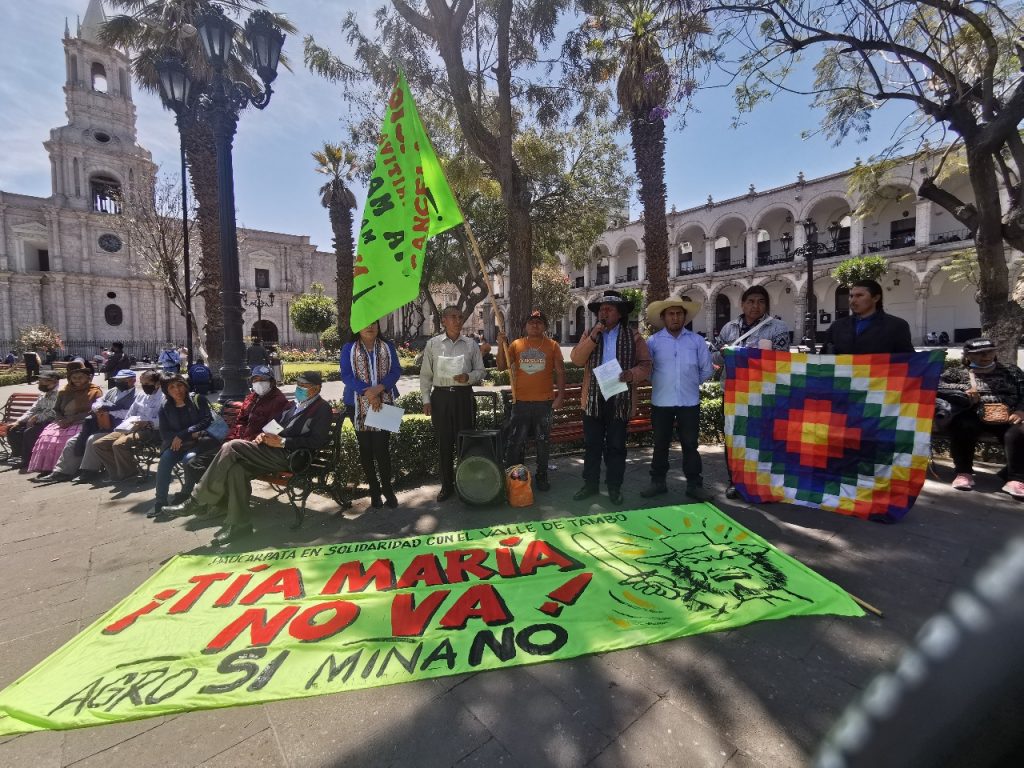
517	486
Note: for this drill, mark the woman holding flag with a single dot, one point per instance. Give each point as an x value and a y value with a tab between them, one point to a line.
370	371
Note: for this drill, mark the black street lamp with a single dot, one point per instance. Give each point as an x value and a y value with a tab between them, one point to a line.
259	304
810	250
220	105
176	93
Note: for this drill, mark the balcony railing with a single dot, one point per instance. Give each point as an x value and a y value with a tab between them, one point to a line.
895	243
953	236
727	266
778	258
691	268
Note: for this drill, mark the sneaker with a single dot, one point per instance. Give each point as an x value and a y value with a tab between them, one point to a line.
654	489
698	493
964	482
543	484
1015	488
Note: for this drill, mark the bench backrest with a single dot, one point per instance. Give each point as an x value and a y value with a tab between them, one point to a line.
18	405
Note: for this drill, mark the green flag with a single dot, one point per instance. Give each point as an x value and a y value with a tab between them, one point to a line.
409	201
240	628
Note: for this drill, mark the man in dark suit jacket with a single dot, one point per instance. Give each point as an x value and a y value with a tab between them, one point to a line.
307	425
868	329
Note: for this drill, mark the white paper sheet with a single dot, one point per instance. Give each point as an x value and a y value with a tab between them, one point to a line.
128	424
389	418
608	379
272	427
450	367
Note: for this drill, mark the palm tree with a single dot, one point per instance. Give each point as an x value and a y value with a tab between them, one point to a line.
148	28
338	165
631	38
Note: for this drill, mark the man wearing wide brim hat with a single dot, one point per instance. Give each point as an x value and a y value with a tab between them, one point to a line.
681	363
225	486
605	420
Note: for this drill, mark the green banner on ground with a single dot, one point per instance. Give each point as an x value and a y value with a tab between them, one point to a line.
218	631
408	202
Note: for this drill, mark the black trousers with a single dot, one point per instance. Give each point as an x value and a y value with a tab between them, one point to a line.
529	417
31	368
374	454
451	411
604	435
683	424
966	428
23	439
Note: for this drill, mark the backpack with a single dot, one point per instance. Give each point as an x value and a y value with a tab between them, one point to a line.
200	374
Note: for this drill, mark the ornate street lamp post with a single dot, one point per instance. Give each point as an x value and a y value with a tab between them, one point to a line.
176	93
811	250
259	304
220	105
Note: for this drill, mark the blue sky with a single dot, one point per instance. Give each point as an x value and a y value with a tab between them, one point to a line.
276	188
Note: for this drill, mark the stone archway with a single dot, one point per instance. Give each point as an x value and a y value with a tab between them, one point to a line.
265	331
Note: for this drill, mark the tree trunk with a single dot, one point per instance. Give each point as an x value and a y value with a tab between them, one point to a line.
201	152
1002	320
341	225
648	137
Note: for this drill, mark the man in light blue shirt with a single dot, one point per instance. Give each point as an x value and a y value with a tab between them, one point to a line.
682	362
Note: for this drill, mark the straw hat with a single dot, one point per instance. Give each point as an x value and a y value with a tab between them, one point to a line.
655	308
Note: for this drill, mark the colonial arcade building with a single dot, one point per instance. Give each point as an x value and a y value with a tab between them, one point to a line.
719	249
65	260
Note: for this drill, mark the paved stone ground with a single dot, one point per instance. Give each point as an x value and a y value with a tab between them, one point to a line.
760	695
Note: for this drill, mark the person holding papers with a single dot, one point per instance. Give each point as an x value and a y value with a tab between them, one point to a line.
452	364
617	361
370	371
682	362
306	425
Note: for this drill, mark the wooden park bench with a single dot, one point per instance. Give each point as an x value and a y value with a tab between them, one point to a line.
17	405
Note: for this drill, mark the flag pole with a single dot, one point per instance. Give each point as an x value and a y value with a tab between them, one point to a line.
499	319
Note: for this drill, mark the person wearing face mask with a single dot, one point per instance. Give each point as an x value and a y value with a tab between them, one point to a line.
74	403
370	370
106	412
115	451
23	433
225	486
261	406
996	391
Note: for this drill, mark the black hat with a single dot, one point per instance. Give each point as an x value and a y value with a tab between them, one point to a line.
624	305
980	344
537	315
310	377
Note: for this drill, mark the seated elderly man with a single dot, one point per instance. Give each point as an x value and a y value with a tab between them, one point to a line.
106	412
23	433
263	404
306	425
115	450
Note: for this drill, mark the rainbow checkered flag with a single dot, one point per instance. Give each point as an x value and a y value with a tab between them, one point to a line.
846	433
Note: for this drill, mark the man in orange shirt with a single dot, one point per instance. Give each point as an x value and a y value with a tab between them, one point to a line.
537	367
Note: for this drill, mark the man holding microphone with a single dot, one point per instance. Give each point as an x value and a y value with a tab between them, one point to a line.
609	342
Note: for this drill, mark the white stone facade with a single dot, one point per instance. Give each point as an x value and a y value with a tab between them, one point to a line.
719	249
59	263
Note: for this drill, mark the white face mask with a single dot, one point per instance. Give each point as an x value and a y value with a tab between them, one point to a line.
261	387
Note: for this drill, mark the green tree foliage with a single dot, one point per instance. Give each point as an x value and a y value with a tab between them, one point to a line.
330	340
857	268
956	65
313	312
551	294
639	298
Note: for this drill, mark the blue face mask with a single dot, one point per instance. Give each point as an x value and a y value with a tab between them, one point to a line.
301	395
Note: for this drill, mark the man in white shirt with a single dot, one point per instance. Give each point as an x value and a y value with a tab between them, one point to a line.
682	362
451	365
115	451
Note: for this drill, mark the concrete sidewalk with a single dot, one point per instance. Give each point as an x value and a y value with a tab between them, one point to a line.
764	694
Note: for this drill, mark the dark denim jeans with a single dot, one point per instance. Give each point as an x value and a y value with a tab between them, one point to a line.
683	423
529	417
